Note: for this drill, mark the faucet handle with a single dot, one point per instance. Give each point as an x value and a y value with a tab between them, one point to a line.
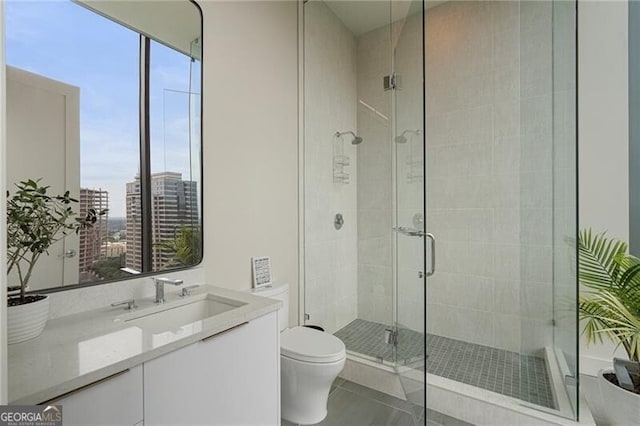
131	304
186	291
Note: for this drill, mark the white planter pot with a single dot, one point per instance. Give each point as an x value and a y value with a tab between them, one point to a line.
621	407
27	321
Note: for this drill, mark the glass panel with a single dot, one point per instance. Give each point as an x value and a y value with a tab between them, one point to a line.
175	183
375	186
472	202
348	164
535	204
548	210
565	336
409	184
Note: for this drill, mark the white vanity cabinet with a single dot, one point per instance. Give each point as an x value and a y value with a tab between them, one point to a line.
116	400
232	378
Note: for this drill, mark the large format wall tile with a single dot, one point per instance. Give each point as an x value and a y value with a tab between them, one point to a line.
489	181
331	256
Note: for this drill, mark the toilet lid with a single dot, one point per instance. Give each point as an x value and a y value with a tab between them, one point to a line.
309	345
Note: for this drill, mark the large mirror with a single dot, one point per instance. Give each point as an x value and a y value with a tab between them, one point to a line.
104	101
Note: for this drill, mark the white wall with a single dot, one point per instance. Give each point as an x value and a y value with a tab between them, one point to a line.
603	120
3	236
250	141
603	133
55	107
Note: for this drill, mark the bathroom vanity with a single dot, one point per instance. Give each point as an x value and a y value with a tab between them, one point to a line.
198	359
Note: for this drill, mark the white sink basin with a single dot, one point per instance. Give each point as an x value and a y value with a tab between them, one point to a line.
173	317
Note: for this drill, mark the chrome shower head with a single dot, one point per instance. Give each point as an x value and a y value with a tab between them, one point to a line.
356	139
403	139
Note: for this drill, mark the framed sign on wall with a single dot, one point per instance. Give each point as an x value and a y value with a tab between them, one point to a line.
261	271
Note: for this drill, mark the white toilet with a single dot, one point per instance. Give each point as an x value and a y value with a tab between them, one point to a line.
310	360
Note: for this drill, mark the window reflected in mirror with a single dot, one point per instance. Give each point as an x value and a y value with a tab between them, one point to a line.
76	118
174	111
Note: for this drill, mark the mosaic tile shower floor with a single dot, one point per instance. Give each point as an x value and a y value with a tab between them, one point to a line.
509	373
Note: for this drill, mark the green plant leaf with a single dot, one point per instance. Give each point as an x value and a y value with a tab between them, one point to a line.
36	221
611	308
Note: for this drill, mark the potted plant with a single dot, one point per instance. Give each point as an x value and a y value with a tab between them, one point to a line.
609	306
35	221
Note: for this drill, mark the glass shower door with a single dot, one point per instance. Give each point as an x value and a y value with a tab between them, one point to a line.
410	237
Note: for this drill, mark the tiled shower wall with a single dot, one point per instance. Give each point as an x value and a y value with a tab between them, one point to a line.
330	91
489	180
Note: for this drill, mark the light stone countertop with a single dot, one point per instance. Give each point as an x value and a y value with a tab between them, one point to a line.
77	350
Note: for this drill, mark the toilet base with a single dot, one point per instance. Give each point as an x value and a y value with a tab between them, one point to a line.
305	389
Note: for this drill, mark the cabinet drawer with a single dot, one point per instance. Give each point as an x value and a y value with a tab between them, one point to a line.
117	400
229	379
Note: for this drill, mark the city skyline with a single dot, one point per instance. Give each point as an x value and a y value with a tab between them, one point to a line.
174	208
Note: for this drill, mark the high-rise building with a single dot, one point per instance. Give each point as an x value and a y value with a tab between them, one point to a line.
133	258
174	206
93	239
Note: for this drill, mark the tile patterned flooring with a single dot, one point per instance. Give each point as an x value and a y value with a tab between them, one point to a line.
509	373
367	337
351	404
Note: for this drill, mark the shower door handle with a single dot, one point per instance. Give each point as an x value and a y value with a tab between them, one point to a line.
432	266
409	232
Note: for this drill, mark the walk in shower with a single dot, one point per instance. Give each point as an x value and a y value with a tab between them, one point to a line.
441	246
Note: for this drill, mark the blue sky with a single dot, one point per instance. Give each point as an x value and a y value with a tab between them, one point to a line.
65	42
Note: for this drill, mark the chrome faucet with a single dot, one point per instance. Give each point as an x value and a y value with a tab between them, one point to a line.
160	282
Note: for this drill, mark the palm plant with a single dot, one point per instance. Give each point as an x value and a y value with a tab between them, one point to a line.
185	247
610	306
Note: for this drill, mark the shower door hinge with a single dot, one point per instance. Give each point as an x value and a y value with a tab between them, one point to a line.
390	336
390	82
570	380
307	316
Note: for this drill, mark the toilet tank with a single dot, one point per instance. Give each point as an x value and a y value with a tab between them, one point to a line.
278	292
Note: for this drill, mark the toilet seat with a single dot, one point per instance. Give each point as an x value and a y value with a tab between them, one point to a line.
309	345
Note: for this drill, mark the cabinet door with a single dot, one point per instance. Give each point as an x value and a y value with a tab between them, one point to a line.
232	378
114	401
